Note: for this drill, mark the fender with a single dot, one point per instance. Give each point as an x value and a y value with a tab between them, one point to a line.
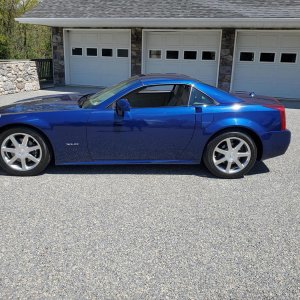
214	127
214	121
66	131
21	119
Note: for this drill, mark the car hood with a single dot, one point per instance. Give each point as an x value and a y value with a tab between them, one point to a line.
43	104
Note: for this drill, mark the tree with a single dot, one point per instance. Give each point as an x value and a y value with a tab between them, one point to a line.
22	40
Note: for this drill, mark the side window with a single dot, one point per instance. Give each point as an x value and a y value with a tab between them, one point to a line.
198	98
159	96
157	88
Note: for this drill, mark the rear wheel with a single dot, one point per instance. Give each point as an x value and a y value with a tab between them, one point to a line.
23	152
230	155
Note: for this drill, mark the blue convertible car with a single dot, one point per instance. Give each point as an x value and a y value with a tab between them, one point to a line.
156	118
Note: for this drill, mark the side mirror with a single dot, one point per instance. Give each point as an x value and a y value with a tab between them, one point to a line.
122	105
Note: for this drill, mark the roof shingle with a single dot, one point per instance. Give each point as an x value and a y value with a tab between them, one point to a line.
166	9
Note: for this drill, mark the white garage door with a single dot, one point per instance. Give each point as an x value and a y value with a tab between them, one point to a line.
267	62
194	53
98	58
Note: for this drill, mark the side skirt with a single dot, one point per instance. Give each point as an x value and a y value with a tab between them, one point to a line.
132	162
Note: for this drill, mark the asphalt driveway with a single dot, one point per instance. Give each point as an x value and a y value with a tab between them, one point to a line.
153	232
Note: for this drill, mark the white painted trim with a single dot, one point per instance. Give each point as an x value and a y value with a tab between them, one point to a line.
97	29
67	54
166	22
66	57
219	59
233	61
129	54
268	30
52	52
143	57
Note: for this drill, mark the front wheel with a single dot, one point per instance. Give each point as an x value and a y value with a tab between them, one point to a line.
230	155
23	152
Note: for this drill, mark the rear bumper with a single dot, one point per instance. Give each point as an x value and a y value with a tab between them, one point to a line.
275	143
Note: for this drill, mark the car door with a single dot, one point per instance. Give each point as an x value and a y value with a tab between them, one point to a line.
142	134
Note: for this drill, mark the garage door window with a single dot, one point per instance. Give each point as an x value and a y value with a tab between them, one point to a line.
192	55
91	51
267	57
288	57
77	51
208	55
172	54
106	52
122	52
247	56
155	54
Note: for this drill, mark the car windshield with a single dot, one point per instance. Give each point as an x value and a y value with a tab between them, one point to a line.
105	94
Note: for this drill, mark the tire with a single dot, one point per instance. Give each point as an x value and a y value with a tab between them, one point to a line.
24	152
230	155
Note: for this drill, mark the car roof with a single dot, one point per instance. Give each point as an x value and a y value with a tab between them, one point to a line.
167	78
165	75
173	78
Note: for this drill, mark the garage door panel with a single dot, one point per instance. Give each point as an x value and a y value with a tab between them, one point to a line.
248	40
268	42
290	41
107	38
99	70
192	64
279	77
191	40
172	40
76	38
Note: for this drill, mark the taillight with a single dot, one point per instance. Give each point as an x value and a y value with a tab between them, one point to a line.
281	110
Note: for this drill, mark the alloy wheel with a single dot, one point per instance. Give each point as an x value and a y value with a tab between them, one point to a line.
21	152
231	155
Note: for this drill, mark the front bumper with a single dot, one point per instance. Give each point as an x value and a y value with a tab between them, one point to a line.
275	143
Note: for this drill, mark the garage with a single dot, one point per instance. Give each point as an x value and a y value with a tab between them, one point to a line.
191	52
267	62
97	57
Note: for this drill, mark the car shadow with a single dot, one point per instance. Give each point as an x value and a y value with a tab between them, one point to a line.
192	170
259	168
195	170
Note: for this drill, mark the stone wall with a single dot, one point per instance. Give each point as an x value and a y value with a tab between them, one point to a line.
226	59
58	56
18	76
136	51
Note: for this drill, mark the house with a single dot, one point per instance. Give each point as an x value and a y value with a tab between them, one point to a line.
234	44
